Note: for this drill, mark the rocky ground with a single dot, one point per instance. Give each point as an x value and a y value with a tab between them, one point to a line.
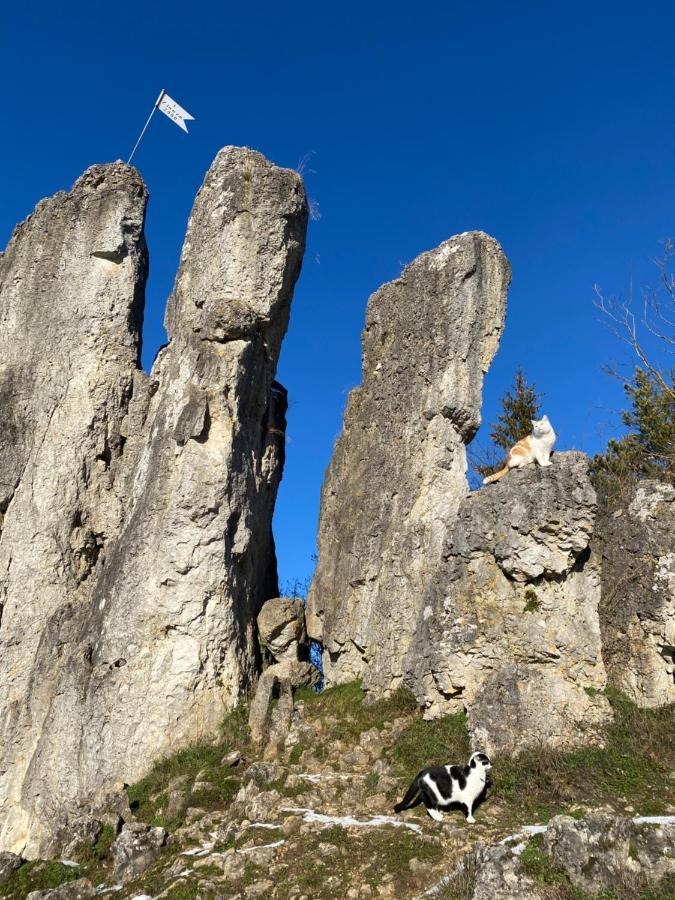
316	821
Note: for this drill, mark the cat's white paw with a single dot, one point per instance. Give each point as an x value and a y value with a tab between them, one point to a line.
470	820
435	814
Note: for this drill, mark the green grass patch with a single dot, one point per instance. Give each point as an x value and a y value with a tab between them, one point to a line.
428	743
347	703
148	798
532	602
633	767
38	875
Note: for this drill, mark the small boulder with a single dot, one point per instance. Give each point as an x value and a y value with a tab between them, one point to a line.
9	862
281	627
82	889
136	848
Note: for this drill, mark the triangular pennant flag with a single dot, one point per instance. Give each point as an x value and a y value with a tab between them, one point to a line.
175	112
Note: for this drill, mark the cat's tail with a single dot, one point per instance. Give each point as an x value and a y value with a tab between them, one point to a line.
496	475
412	797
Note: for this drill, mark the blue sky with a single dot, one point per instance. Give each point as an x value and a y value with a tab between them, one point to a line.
548	125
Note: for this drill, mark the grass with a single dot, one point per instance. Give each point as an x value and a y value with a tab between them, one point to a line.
427	743
37	876
633	768
363	856
148	798
345	703
532	602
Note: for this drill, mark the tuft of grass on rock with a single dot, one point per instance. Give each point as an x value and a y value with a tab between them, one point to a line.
37	875
347	704
532	602
148	798
428	743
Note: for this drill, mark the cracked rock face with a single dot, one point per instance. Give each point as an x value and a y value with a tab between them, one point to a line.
397	476
637	544
510	627
487	601
136	546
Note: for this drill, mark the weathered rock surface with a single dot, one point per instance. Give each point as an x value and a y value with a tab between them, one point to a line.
601	851
397	476
281	629
637	613
71	305
82	889
486	601
600	854
9	862
136	848
510	627
136	545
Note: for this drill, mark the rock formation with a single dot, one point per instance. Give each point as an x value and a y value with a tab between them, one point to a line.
510	628
599	855
637	613
136	547
485	602
281	630
397	476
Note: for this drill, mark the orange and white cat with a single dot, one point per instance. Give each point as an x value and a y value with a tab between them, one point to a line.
535	447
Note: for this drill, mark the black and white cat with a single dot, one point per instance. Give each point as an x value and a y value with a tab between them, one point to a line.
441	786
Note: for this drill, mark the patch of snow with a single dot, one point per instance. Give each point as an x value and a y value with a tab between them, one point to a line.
263	847
346	821
310	776
263	825
199	851
654	820
70	863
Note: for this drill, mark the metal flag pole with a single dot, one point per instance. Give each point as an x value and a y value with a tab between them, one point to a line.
140	137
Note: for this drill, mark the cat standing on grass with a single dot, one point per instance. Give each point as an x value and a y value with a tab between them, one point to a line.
536	446
442	786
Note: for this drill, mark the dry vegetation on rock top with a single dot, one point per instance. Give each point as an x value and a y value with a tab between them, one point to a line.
240	826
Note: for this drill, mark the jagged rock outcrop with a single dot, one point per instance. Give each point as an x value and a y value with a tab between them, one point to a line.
486	602
509	629
397	476
600	855
637	615
281	630
136	545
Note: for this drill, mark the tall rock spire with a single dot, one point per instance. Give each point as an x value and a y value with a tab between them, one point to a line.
155	641
398	473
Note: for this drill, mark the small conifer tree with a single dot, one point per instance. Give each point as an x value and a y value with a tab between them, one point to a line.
648	450
520	405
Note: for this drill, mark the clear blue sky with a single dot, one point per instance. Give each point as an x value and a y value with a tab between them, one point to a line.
551	126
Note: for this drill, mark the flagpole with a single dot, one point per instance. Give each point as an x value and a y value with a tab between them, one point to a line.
158	101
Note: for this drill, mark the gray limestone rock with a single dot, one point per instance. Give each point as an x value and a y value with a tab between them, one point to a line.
135	849
82	889
71	305
281	627
599	855
136	545
602	852
485	601
637	615
509	629
9	862
398	472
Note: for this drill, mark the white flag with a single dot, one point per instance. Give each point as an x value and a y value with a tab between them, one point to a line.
175	112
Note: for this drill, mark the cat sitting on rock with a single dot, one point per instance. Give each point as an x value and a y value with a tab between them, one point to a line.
442	786
535	447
